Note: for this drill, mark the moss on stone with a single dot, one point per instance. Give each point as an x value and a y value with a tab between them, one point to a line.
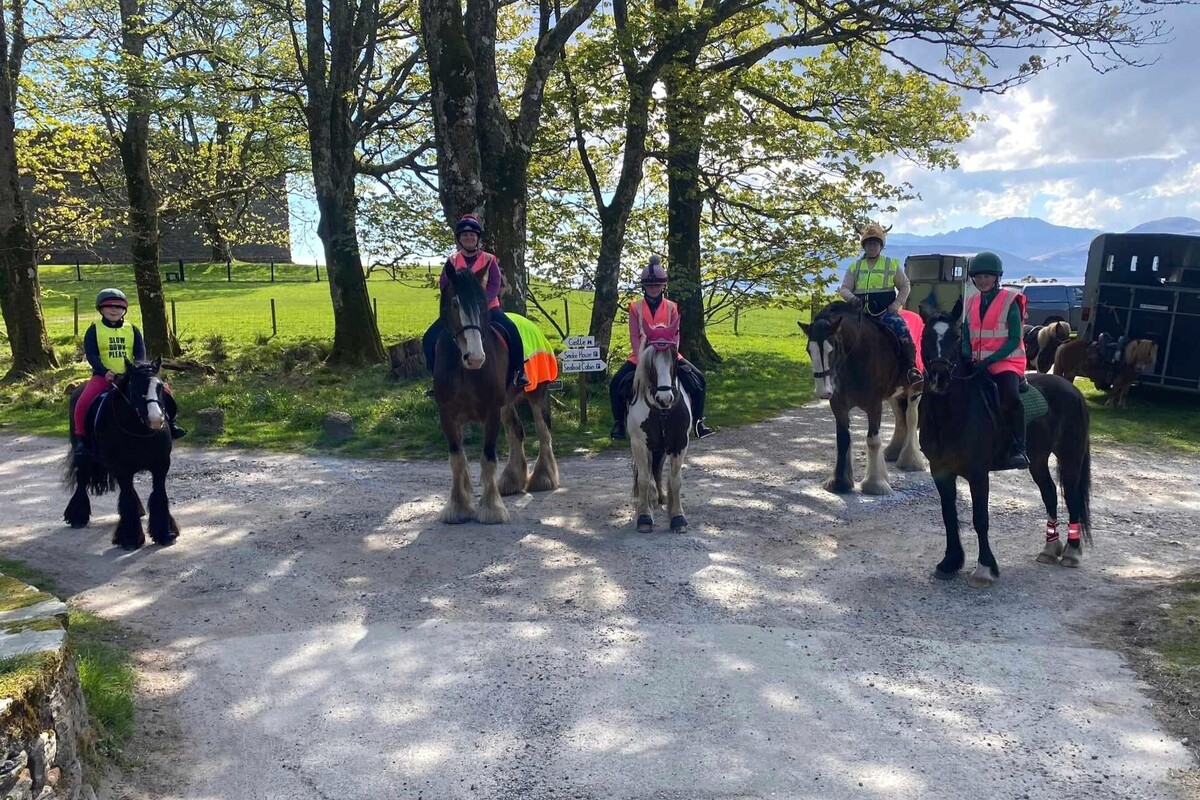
16	594
47	624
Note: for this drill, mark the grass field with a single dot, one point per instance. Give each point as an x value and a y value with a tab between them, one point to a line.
275	388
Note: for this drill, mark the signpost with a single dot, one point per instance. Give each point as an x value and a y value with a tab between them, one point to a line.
581	356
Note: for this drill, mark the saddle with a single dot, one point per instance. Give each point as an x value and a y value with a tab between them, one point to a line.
93	413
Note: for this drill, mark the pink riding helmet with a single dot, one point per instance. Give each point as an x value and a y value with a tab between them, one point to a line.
661	337
654	274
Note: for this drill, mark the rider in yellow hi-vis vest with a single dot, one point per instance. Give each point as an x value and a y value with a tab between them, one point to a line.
872	273
106	346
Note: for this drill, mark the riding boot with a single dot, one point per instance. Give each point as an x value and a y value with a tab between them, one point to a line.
83	445
1017	458
520	379
908	363
618	430
703	430
176	431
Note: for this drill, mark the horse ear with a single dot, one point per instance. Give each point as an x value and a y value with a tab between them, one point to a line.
835	324
956	312
157	362
927	312
128	365
806	328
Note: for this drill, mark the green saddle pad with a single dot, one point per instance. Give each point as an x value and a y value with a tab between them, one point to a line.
1034	403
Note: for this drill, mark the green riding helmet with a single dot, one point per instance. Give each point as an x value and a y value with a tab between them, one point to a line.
986	264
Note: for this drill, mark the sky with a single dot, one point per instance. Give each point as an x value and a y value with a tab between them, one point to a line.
1077	148
1072	146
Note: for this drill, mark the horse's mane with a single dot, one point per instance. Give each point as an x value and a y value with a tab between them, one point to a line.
835	309
1141	354
641	376
1060	331
465	285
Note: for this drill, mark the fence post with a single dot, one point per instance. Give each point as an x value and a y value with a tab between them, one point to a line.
272	272
317	267
181	270
75	303
375	309
229	271
735	320
174	321
78	277
567	313
583	399
274	325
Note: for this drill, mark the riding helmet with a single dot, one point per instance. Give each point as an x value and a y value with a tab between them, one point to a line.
986	264
654	274
469	223
111	297
873	231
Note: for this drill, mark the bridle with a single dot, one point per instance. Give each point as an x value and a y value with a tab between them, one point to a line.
137	412
673	388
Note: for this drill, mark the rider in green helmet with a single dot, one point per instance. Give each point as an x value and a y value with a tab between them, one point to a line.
992	327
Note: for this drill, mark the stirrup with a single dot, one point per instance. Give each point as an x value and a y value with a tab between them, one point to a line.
914	375
702	429
521	380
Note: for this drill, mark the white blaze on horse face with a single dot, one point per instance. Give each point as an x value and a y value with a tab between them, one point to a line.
940	329
820	354
154	413
664	393
472	340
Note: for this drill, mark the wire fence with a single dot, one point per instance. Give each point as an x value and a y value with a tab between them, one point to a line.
230	272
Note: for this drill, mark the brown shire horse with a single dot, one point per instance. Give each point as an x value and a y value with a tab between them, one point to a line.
470	385
855	365
961	440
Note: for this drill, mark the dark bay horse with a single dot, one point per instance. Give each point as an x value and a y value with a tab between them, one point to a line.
470	385
855	365
131	435
960	439
658	420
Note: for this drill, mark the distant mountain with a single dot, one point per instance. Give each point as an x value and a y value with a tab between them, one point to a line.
1028	246
1169	225
1027	237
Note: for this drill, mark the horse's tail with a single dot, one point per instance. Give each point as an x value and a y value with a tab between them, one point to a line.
1075	466
86	471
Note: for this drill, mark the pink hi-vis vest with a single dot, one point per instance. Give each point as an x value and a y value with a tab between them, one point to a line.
990	333
642	319
482	264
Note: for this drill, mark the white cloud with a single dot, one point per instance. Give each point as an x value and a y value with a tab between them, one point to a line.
1074	207
1014	134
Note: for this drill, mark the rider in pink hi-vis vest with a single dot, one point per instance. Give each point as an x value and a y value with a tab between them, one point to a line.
655	318
992	338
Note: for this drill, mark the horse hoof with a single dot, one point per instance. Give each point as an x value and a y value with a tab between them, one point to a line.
981	578
492	516
837	487
1072	556
1050	553
457	516
878	488
943	575
679	524
645	523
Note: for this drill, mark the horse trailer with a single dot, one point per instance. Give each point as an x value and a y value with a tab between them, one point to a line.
1147	286
937	280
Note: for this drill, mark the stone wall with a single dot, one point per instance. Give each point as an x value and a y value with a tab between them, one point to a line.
43	721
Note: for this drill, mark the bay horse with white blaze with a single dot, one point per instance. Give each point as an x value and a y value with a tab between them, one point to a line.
470	385
855	365
961	437
659	420
129	429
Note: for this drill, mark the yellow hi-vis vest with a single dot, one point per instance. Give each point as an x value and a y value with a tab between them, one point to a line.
116	345
877	277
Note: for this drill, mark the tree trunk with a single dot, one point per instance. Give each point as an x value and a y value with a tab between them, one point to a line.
134	145
218	245
685	131
505	226
332	145
452	76
613	220
20	294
